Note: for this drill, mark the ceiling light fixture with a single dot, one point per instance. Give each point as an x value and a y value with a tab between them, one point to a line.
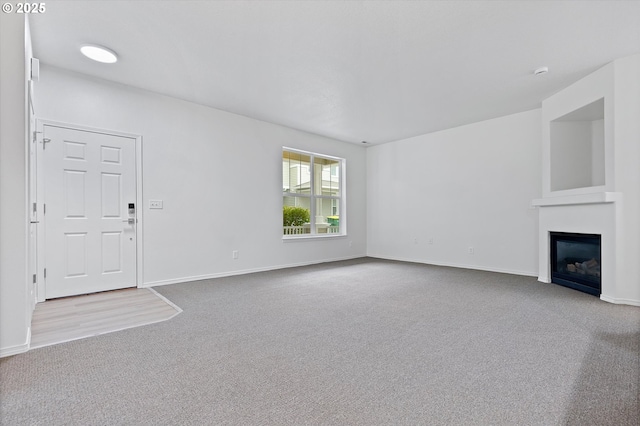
99	53
541	70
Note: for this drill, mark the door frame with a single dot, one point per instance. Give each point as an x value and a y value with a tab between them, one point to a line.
38	175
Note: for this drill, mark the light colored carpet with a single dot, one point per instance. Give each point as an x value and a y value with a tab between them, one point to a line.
362	342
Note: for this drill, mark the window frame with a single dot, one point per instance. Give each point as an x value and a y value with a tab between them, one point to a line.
312	197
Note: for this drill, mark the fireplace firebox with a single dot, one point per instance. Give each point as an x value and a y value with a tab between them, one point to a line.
576	261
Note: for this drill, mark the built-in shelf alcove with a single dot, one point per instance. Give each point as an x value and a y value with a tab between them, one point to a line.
577	148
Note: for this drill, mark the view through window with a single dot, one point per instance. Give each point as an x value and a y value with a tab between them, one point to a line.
312	195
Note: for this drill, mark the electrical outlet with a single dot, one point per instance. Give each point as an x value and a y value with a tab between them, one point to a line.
155	204
235	254
470	250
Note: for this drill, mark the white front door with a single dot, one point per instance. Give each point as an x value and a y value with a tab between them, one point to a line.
90	238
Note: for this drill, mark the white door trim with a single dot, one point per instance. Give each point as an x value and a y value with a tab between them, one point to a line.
40	123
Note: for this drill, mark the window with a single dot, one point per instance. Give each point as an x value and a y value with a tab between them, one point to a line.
312	194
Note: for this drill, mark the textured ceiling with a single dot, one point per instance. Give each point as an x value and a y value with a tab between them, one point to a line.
357	70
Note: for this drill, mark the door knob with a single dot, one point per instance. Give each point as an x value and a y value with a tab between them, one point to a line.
130	221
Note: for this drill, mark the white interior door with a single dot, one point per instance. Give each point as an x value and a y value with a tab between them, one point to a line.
90	238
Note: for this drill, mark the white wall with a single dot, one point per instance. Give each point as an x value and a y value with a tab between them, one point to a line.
627	172
571	155
219	175
15	305
597	153
469	186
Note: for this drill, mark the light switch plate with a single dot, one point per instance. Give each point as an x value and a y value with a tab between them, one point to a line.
155	204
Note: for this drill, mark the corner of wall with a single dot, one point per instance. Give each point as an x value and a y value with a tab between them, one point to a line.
15	306
17	349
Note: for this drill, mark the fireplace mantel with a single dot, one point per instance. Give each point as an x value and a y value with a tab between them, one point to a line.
573	200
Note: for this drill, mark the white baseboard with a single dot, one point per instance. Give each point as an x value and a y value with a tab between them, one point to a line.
242	272
617	301
18	349
603	297
541	279
457	265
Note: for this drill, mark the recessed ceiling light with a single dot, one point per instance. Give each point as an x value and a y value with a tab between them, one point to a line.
541	70
99	53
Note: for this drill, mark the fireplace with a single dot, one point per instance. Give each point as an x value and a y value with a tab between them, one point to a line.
576	261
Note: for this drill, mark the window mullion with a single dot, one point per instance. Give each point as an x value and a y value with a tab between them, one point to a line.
312	204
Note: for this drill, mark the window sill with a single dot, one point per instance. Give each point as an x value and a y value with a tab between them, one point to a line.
290	238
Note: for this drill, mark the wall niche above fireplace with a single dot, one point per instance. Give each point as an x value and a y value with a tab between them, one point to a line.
578	148
576	261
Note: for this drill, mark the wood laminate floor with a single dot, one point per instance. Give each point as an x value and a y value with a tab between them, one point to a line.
70	318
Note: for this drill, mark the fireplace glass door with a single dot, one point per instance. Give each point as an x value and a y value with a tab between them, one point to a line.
576	261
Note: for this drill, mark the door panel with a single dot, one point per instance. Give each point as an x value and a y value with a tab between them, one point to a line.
75	194
76	254
111	195
111	252
89	180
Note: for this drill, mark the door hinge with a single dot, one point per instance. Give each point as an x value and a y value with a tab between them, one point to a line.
44	209
35	135
45	272
35	208
45	141
34	278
